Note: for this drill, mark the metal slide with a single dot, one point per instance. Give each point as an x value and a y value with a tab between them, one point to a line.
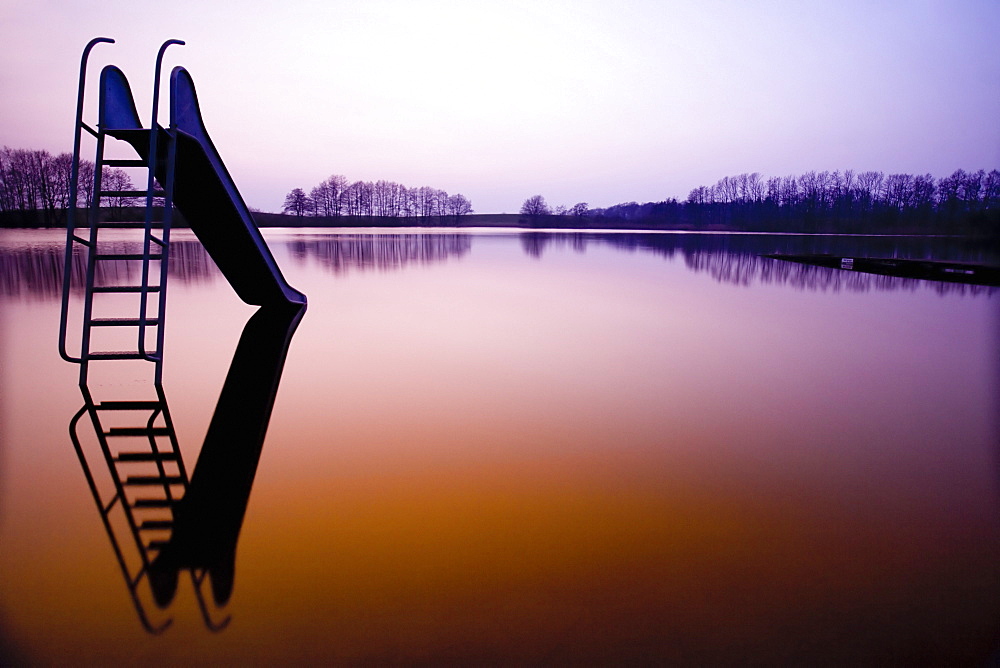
203	190
114	284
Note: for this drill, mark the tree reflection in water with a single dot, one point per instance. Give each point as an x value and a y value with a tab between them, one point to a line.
35	271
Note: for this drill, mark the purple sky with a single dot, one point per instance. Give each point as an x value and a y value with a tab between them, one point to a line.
601	102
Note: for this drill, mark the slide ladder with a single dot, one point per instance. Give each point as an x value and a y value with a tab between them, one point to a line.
136	306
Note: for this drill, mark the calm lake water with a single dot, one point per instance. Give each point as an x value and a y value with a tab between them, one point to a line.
496	447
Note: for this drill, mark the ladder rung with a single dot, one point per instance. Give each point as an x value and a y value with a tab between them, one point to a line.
157	544
152	503
80	240
145	456
125	288
89	129
131	193
138	431
126	163
126	256
154	480
124	322
117	355
156	524
129	405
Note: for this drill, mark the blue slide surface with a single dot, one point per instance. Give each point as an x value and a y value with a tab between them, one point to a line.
203	189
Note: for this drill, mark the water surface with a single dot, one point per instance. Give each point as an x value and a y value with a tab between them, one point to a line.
510	447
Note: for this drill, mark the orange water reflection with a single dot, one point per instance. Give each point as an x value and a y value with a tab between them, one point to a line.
569	455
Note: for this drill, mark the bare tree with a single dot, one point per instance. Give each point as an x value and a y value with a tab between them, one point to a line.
358	198
789	191
297	203
870	183
381	198
755	187
387	198
8	189
57	173
333	189
326	197
427	201
409	204
924	192
21	182
459	205
991	190
85	183
113	178
698	195
440	203
319	200
898	191
535	206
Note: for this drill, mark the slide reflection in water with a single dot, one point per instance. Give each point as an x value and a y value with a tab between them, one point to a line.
208	519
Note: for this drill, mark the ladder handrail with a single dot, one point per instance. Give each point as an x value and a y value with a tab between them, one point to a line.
168	208
197	579
73	193
154	135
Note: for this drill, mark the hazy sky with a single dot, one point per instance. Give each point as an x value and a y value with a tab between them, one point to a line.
601	102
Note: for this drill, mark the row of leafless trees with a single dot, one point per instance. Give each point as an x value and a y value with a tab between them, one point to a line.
851	201
965	202
826	190
335	197
36	181
836	201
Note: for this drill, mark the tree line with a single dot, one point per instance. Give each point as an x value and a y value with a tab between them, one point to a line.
36	185
336	197
857	202
35	189
848	201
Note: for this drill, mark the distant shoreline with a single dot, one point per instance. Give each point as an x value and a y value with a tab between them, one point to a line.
472	220
38	220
